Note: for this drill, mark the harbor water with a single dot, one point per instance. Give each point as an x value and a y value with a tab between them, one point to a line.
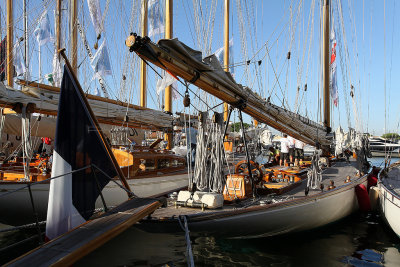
362	239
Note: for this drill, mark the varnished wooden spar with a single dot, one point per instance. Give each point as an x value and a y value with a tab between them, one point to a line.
10	37
168	90
226	51
103	120
143	76
326	65
88	96
132	123
72	246
166	57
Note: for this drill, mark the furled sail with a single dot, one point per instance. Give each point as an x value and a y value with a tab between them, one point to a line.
206	73
107	111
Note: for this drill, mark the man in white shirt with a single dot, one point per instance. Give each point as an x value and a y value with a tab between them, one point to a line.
291	141
284	150
299	152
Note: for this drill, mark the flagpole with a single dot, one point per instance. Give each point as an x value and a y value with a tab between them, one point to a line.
96	123
58	26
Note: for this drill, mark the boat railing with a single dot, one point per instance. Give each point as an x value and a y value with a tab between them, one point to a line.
144	149
29	185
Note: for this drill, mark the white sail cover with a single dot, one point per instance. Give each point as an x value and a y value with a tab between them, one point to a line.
208	74
48	101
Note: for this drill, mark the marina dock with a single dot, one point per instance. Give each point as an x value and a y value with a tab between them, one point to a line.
70	247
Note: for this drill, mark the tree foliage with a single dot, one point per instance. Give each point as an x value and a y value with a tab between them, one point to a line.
235	127
392	136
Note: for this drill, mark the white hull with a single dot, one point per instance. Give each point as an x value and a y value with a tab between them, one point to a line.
389	203
16	208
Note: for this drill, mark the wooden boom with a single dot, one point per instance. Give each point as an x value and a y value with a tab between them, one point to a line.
180	60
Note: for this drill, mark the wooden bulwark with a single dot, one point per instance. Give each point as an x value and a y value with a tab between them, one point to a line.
72	246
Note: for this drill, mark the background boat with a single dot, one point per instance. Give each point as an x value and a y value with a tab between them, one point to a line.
123	122
380	147
263	216
389	196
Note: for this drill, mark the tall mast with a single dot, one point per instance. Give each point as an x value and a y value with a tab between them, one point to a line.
168	35
10	37
325	58
143	78
58	26
74	35
26	54
226	49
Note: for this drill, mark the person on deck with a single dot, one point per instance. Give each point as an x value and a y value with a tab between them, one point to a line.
284	150
273	155
46	147
298	152
291	141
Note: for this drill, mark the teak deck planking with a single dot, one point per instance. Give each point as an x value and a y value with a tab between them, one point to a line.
70	247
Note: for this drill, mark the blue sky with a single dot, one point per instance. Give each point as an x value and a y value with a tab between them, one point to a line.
282	26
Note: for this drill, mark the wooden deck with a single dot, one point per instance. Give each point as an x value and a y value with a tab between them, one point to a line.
70	247
337	172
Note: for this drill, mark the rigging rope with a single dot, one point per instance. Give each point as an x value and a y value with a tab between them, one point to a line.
185	228
26	141
315	174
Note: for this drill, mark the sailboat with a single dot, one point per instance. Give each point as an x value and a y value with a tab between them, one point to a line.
389	196
150	170
303	207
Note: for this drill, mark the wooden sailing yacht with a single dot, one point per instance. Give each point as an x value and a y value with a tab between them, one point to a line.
149	170
298	209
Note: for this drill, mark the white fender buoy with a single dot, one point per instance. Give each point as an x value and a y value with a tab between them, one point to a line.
373	197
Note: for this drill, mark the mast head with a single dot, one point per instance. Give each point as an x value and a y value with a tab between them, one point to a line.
130	41
134	42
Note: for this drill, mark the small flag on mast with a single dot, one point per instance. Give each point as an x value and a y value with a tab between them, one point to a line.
168	80
19	63
220	55
79	153
43	32
101	62
156	18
